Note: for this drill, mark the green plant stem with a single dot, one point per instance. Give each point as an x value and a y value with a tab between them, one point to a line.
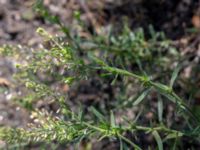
122	72
146	81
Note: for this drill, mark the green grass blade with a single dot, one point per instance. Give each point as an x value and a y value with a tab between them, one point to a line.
121	144
112	119
141	97
174	75
160	109
158	140
96	60
97	114
136	147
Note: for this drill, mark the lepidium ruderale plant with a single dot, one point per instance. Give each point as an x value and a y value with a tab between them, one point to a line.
125	59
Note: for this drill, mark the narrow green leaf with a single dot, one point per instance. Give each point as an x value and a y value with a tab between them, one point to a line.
171	98
174	75
69	80
140	66
173	136
121	144
136	147
102	137
105	75
97	114
175	143
112	119
160	108
80	114
138	115
141	97
158	140
97	60
114	80
161	87
152	31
